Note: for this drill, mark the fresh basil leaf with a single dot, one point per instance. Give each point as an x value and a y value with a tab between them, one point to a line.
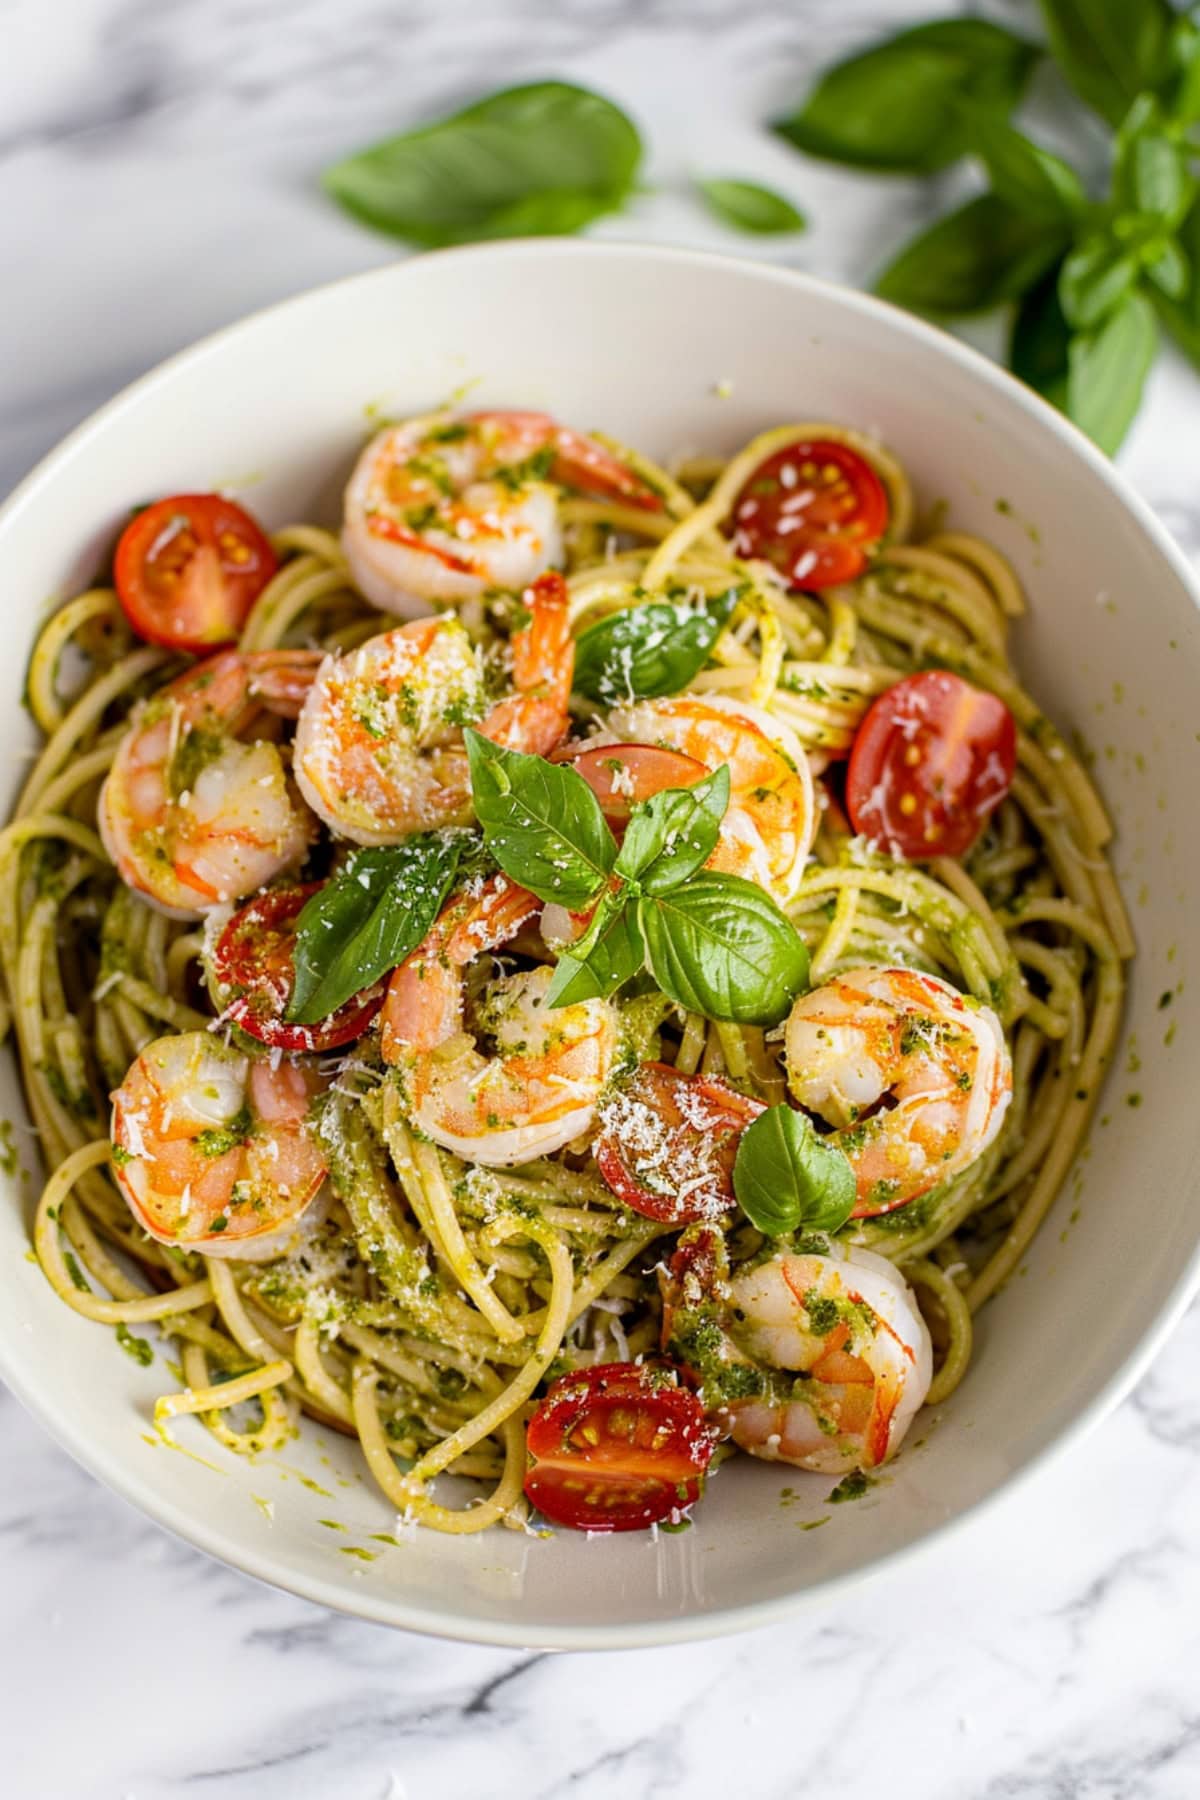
541	822
1108	368
673	834
902	105
538	160
367	919
720	946
1152	172
1040	341
1170	270
647	651
746	206
1181	315
610	959
1111	50
1028	177
1095	278
986	252
787	1175
1182	91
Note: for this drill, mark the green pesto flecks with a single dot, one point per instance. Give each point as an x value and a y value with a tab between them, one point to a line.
851	1487
139	1348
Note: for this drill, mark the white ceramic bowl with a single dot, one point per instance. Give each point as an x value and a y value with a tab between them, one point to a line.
673	350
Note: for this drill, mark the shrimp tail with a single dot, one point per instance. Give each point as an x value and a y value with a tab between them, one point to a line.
281	679
535	719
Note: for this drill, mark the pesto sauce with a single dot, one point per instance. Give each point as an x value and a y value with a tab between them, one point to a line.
197	749
138	1348
851	1487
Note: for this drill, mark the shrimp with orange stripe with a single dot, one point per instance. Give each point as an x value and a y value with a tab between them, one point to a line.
914	1077
192	814
212	1150
379	750
441	509
539	1087
841	1319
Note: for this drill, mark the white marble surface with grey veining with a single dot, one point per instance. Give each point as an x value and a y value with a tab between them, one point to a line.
158	167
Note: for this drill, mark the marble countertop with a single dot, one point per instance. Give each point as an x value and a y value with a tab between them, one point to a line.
157	179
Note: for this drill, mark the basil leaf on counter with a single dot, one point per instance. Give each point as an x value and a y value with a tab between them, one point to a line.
1181	314
1095	278
538	160
746	206
986	252
903	104
1040	341
1182	90
1107	369
367	919
1111	50
720	946
673	834
1170	271
647	651
1022	173
610	957
787	1175
1152	173
541	822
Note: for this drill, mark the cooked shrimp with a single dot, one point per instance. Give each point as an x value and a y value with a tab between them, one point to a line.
848	1323
914	1077
379	747
192	817
771	818
540	1087
438	510
211	1151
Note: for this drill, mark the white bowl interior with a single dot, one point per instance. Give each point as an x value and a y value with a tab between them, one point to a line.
674	351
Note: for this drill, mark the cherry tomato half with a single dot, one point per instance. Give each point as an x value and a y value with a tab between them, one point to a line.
815	510
188	569
931	759
667	1143
620	775
616	1448
253	961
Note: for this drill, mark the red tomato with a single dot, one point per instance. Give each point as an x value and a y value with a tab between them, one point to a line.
620	775
254	959
667	1143
932	758
815	510
188	570
616	1448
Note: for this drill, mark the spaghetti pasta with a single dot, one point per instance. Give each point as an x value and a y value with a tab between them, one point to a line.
438	1295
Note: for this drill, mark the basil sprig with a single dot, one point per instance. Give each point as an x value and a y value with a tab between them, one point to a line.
367	919
714	943
899	106
1111	53
787	1175
538	160
673	834
647	651
541	822
720	946
1088	273
747	206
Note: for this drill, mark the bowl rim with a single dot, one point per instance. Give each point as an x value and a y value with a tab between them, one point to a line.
389	1608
